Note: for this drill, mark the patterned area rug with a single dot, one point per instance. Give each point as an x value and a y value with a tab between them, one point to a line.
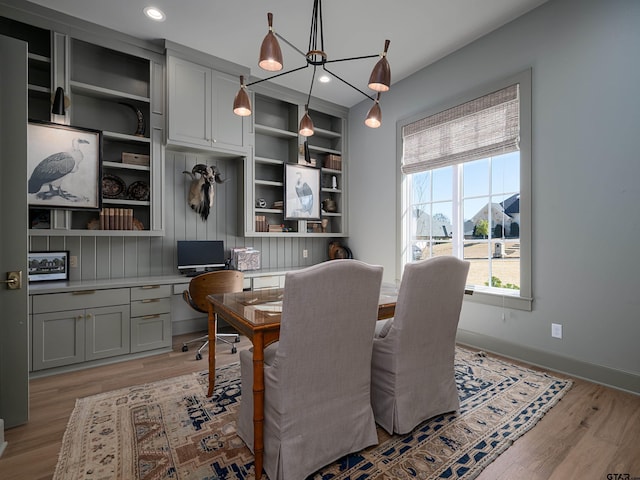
171	430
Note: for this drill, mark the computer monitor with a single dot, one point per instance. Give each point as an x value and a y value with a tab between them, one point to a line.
198	256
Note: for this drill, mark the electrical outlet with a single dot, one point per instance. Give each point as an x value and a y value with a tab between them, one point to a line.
305	253
73	261
556	330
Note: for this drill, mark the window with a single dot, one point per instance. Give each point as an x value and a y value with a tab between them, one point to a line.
466	190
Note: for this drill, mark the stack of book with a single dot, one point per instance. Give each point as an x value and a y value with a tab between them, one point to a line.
334	162
275	228
116	219
261	224
278	205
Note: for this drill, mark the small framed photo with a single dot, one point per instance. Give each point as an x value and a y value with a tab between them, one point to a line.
46	266
302	192
64	166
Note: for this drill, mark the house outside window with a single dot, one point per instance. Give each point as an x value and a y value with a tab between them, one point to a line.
466	190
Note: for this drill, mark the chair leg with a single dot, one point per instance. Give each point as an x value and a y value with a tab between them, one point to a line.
185	345
221	336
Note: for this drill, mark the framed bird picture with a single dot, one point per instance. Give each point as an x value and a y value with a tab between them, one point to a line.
302	192
64	166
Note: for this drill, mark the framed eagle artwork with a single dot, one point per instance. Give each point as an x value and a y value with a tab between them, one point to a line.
64	166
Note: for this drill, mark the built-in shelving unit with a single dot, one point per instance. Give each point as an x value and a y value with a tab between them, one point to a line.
276	144
39	64
110	91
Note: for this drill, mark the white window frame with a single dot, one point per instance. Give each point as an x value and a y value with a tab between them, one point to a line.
517	299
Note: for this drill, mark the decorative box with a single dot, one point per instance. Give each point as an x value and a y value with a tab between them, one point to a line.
243	259
135	159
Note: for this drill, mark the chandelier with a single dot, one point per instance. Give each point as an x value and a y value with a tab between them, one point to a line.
271	61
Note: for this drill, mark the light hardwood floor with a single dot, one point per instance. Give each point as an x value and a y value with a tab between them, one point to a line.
594	431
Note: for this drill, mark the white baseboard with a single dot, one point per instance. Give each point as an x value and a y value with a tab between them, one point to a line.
610	377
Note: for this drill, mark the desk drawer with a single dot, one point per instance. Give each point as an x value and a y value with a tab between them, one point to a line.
269	281
150	306
150	291
58	302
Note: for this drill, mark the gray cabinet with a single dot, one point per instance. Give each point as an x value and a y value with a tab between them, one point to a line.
75	327
200	113
150	317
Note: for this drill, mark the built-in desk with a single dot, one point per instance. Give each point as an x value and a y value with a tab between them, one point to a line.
79	324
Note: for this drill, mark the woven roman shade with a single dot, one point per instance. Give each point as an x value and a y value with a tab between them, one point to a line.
480	128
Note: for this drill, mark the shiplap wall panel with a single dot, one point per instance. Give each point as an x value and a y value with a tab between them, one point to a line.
101	257
131	257
103	249
87	257
117	257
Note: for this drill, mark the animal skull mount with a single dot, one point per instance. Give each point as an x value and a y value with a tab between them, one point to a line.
201	190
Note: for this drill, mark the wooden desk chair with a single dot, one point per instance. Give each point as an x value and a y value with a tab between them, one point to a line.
221	281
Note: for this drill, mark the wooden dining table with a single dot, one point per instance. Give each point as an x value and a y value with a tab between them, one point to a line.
256	314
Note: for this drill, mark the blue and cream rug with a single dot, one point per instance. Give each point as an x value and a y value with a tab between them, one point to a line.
171	430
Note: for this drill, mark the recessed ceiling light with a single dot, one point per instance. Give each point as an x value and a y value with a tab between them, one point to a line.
155	13
324	79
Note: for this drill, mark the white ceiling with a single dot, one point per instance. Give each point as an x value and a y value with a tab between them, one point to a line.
421	31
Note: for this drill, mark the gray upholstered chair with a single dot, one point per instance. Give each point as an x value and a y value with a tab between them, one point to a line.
318	375
412	369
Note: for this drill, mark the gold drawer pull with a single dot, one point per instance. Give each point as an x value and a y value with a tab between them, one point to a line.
149	317
147	287
84	292
150	300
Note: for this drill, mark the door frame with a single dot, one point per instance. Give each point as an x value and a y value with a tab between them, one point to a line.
14	327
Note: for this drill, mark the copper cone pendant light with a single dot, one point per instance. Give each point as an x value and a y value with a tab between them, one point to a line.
271	60
270	52
374	117
306	124
380	79
242	104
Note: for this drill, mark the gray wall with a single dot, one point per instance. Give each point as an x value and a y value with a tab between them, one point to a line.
586	177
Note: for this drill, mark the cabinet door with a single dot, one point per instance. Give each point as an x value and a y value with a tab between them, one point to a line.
58	339
227	127
107	332
189	108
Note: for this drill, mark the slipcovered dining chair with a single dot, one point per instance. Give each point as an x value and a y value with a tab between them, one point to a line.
412	368
219	281
317	377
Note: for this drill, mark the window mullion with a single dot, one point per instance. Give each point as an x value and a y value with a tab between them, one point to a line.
458	227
